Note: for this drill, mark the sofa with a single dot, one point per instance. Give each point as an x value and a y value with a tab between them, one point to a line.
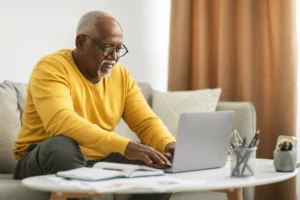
12	100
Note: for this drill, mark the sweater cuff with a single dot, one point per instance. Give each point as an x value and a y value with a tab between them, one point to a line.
164	142
118	144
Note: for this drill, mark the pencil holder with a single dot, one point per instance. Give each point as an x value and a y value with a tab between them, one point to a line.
243	162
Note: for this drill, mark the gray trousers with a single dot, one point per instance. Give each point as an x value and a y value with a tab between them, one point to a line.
61	153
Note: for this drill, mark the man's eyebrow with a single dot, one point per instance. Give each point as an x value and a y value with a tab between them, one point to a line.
106	42
110	43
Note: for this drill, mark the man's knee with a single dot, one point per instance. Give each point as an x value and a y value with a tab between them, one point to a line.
60	143
60	153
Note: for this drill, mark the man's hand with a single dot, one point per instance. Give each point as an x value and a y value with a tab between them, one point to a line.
169	149
136	151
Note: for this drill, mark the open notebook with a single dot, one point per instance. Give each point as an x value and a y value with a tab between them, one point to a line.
106	170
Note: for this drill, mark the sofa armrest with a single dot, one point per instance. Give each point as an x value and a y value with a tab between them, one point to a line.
244	120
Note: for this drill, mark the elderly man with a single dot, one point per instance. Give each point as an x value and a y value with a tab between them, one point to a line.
76	98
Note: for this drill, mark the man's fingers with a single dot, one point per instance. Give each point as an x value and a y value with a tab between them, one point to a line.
165	159
168	155
154	155
162	158
146	159
147	154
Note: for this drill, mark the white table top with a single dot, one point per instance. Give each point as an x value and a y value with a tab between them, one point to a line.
212	179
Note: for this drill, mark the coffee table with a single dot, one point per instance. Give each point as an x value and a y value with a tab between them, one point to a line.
214	179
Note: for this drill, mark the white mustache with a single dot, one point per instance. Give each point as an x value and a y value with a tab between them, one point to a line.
108	62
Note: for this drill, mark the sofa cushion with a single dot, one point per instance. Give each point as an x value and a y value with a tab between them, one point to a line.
6	176
21	94
169	105
10	125
147	92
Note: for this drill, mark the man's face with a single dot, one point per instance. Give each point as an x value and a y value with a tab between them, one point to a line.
100	55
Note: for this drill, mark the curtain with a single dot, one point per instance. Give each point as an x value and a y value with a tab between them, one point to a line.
248	48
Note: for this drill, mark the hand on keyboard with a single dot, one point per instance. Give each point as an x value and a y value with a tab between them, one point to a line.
159	166
136	151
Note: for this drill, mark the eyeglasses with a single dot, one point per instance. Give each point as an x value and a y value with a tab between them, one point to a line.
120	51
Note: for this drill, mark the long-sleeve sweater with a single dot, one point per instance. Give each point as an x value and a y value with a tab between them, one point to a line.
61	101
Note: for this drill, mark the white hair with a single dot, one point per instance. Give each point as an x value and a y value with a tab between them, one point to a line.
88	22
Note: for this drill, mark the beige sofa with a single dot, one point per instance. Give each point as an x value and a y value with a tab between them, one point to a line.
12	99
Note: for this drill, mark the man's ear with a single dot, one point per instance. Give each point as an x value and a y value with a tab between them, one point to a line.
80	42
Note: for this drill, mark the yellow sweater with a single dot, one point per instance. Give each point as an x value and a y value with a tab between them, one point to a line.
60	101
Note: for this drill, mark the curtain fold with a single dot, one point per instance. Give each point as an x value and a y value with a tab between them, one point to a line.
249	49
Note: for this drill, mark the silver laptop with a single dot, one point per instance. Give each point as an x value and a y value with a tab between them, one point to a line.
203	140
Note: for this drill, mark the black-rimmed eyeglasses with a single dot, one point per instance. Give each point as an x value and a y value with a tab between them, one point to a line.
120	51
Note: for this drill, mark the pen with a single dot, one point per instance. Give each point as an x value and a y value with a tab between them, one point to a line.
232	145
244	142
106	168
114	169
257	142
253	141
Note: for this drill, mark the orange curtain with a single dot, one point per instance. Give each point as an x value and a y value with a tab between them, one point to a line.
248	48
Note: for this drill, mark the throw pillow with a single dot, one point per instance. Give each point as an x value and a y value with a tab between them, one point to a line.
123	129
169	105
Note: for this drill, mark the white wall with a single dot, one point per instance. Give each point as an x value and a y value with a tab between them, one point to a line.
33	28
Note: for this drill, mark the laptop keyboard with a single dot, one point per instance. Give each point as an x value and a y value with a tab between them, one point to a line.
159	166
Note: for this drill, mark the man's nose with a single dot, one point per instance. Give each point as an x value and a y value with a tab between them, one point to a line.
113	55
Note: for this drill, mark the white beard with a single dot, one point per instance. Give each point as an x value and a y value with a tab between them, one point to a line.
104	75
108	71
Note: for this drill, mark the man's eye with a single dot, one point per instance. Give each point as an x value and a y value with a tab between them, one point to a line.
108	49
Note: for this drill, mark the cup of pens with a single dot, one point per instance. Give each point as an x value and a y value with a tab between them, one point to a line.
243	157
243	161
